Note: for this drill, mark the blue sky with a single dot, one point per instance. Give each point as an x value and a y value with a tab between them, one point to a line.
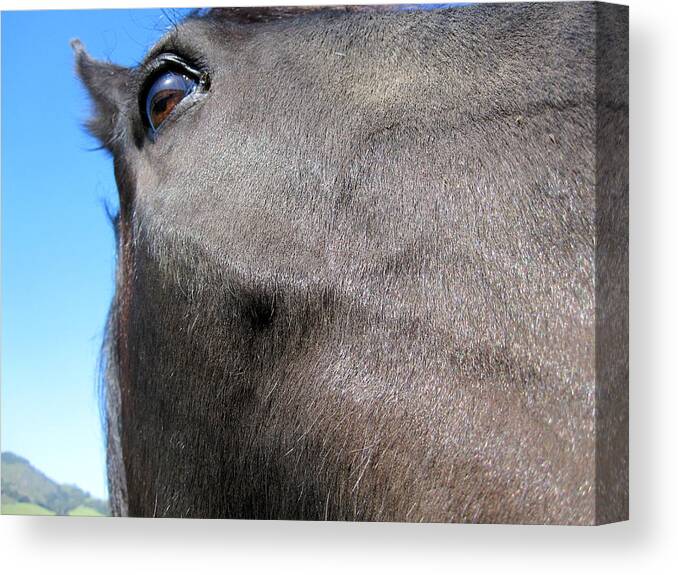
57	244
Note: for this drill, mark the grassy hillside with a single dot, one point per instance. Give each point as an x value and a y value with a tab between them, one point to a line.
27	491
21	481
84	511
25	509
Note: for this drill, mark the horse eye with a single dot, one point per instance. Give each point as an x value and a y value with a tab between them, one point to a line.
165	93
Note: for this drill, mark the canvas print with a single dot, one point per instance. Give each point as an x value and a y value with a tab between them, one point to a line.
368	263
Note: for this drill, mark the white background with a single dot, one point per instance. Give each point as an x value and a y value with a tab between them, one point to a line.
645	544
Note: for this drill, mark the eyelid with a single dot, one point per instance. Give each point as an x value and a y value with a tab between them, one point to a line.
169	61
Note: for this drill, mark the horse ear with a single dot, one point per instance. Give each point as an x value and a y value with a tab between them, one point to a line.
107	85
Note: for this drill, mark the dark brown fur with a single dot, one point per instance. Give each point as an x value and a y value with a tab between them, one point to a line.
360	279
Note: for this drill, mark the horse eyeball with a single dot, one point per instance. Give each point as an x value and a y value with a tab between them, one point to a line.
165	93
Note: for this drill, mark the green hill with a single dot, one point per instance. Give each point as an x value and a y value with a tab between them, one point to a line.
84	511
27	491
24	509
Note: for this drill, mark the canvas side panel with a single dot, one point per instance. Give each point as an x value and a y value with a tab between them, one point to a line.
612	269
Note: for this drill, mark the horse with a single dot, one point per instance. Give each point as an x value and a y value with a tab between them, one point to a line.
372	265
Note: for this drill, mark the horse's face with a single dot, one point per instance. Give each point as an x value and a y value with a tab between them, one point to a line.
355	267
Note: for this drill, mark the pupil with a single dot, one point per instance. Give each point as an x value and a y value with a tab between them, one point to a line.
163	103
